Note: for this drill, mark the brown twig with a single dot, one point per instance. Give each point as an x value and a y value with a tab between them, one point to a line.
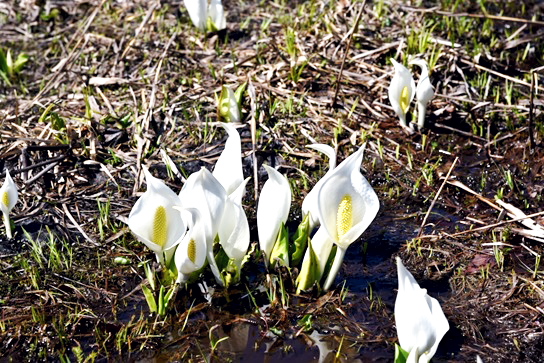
346	53
436	197
253	123
483	228
505	76
480	16
531	112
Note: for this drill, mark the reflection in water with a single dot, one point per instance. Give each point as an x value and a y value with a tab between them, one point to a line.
237	338
323	346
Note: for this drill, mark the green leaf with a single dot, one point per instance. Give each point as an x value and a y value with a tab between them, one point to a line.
400	354
210	25
4	76
161	304
239	93
280	252
306	322
164	299
20	62
230	272
150	298
3	63
309	271
150	274
300	241
330	261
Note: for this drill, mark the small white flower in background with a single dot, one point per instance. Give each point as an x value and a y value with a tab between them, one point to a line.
8	198
192	250
206	17
272	209
228	168
401	91
154	220
203	191
420	321
228	107
424	91
309	205
346	205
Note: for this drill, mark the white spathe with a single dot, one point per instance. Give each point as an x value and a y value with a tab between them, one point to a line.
203	191
401	91
424	91
420	321
234	227
192	250
154	219
346	206
217	14
228	168
272	209
9	196
309	204
199	12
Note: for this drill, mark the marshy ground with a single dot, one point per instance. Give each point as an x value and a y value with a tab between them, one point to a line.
113	85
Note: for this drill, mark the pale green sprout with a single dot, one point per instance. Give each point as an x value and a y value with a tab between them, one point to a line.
154	220
8	67
192	250
228	106
272	212
315	259
420	321
401	91
346	206
424	91
8	198
203	191
206	16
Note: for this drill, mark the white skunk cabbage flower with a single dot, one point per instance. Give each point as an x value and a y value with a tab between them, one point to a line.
401	91
272	209
154	220
346	205
228	168
424	91
205	16
216	14
234	227
192	251
228	107
420	321
9	196
203	191
309	205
